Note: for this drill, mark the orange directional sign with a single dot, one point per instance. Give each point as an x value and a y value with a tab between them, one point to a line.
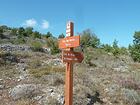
71	57
69	42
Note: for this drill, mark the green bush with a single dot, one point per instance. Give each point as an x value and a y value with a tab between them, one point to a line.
36	46
135	52
53	44
115	49
29	31
14	31
107	47
19	41
36	35
1	31
135	48
124	51
89	39
48	35
89	55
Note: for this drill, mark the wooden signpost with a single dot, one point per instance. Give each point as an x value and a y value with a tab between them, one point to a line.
69	56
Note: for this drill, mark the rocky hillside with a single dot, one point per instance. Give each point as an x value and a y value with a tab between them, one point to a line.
31	75
37	78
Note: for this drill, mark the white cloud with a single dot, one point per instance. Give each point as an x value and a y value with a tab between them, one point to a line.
45	24
30	23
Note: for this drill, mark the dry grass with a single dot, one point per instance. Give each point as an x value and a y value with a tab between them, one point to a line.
130	82
8	71
25	102
46	70
52	101
135	66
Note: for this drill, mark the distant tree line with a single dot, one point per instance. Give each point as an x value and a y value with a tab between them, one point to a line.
33	38
87	39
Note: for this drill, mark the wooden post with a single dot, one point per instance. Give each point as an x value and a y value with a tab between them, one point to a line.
69	56
69	70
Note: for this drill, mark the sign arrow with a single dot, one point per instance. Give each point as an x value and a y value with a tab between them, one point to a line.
69	42
72	57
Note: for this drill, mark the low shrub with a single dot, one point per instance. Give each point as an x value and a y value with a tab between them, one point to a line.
36	46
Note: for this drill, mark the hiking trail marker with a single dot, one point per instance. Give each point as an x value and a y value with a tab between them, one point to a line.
72	57
69	57
69	42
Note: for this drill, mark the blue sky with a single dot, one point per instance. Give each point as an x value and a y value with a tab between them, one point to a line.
108	19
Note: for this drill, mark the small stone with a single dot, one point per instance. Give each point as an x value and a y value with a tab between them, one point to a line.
2	86
38	98
19	80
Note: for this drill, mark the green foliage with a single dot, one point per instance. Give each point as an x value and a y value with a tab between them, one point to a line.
48	35
29	31
85	38
50	42
88	55
115	44
53	44
4	28
135	52
36	35
1	31
54	49
88	59
135	48
136	40
36	46
21	32
20	40
14	31
107	47
116	49
61	36
89	39
124	51
94	42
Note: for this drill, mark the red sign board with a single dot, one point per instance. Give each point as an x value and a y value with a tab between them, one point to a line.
69	42
71	56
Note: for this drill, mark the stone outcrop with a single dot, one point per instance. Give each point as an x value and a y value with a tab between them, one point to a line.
24	91
10	47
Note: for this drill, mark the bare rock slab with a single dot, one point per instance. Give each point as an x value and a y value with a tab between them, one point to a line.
24	91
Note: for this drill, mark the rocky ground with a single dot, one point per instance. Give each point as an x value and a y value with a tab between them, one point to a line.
35	78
